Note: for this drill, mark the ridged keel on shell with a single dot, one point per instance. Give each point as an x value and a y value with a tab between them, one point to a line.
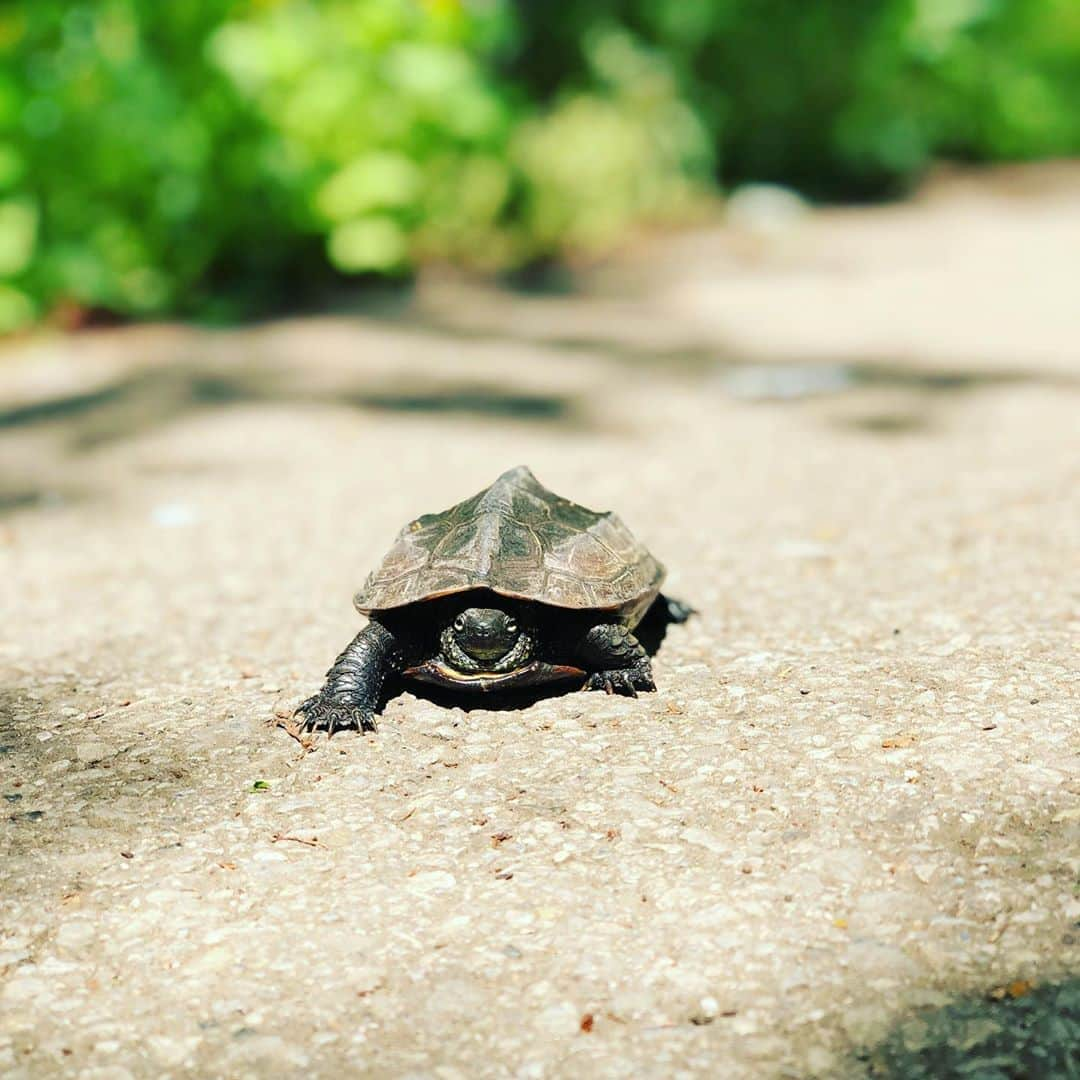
519	540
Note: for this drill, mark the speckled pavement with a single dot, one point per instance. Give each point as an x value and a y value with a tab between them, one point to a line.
855	794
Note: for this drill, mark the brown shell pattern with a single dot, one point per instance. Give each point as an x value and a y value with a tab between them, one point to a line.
519	540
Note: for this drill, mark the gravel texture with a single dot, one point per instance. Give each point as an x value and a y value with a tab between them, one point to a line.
854	795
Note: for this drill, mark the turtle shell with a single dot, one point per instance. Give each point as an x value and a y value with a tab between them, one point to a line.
519	540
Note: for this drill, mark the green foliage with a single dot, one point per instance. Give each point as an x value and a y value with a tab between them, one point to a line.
220	157
969	79
135	158
836	98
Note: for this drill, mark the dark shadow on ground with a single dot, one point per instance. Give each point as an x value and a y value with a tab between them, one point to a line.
54	799
714	356
150	399
1014	1033
136	403
543	277
12	499
777	379
878	422
471	401
653	628
20	761
507	701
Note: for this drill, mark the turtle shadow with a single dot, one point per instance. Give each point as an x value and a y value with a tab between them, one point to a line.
663	612
492	701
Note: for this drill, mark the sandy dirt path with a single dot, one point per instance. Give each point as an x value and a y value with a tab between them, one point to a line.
855	793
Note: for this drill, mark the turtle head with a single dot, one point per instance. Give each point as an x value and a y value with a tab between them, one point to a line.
485	639
485	633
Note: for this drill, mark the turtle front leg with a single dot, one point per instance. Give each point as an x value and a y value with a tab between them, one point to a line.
616	660
350	696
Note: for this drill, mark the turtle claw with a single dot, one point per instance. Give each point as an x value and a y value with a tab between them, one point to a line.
619	681
322	713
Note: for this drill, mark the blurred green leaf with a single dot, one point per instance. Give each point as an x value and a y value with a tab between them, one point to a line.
368	244
18	235
16	309
379	179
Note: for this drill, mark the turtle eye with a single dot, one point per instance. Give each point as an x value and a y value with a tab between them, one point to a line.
511	626
459	623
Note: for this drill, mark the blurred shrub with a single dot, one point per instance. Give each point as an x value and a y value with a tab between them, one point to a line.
978	80
836	98
219	157
148	180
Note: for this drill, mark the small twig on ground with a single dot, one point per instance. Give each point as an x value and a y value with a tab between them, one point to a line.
278	837
289	725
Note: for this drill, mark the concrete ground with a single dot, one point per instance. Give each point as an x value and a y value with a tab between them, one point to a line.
853	438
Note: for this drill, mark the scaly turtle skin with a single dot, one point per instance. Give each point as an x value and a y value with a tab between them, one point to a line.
514	587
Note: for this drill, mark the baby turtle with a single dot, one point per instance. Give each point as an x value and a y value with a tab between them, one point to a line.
512	588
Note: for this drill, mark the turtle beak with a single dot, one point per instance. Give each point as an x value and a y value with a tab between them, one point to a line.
484	643
481	651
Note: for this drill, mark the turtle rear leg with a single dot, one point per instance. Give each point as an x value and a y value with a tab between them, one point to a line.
616	660
354	685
